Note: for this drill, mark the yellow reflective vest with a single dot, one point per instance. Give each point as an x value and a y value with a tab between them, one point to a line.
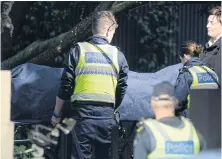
173	142
202	79
96	78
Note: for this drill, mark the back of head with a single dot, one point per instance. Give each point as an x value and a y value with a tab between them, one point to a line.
216	11
163	95
190	48
102	22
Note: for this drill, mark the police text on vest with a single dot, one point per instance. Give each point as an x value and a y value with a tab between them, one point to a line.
96	57
205	78
179	147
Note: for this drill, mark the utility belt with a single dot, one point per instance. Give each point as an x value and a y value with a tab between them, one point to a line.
93	103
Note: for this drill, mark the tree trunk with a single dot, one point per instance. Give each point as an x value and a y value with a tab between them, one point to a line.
6	22
6	26
43	52
17	15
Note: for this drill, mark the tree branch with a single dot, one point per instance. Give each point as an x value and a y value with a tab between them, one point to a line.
80	32
43	52
38	51
118	7
17	11
6	27
6	22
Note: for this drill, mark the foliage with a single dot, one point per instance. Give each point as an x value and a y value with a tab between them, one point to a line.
47	19
21	133
158	29
157	25
20	149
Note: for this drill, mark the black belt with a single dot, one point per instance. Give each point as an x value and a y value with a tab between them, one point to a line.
94	103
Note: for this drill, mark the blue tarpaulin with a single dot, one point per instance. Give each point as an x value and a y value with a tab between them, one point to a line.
34	90
136	103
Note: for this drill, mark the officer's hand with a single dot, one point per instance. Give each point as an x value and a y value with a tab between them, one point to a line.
55	120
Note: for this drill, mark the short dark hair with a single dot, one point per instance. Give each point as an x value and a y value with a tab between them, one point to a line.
217	12
102	20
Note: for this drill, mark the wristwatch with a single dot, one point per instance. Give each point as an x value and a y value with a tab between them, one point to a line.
56	115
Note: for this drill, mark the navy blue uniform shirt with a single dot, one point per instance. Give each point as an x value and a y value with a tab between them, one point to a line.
183	83
68	77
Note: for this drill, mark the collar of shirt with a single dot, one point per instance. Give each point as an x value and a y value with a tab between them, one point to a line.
172	121
98	39
213	41
193	61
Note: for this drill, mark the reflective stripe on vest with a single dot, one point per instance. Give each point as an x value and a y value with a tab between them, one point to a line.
201	79
173	142
97	97
96	79
95	70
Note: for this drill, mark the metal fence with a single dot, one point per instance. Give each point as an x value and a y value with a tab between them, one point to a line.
191	26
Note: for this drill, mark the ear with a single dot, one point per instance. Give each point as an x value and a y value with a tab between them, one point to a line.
153	103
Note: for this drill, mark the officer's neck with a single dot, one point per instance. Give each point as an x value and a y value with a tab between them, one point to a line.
161	115
103	36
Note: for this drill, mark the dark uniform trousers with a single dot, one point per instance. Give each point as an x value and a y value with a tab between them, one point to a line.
93	130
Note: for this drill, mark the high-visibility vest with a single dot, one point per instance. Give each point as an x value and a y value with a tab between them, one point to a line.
202	79
96	79
173	142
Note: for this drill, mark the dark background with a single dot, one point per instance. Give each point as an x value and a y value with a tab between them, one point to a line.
148	35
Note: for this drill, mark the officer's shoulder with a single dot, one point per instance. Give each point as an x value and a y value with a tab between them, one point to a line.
81	42
185	119
118	48
184	69
120	54
142	125
74	49
75	45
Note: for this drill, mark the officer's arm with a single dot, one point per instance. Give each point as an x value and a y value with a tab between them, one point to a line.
68	75
182	88
67	79
140	150
144	142
122	80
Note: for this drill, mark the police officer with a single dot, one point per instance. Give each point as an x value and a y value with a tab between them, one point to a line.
166	136
193	75
212	49
96	80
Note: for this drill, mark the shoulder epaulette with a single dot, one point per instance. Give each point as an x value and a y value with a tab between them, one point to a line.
184	68
140	126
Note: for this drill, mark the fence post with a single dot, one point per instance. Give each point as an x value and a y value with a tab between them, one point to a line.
6	126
